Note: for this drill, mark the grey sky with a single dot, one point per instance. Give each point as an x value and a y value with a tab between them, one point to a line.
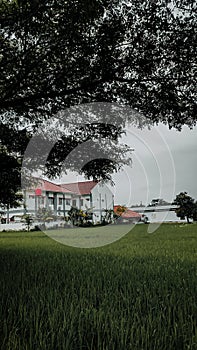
164	164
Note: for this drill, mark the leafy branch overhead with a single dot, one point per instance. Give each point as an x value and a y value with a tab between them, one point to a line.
59	54
56	54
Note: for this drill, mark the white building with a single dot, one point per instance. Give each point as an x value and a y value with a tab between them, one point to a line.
158	211
90	196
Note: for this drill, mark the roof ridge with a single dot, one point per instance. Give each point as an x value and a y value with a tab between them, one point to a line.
80	187
78	182
65	183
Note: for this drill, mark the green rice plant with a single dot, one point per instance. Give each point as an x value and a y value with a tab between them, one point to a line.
138	293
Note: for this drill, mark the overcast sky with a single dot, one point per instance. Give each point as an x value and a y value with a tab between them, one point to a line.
164	164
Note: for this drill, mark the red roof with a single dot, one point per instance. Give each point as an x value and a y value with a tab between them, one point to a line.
48	186
82	188
127	214
130	214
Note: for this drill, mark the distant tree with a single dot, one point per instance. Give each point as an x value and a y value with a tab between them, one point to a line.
186	206
195	212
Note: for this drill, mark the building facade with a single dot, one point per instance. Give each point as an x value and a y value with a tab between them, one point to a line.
89	196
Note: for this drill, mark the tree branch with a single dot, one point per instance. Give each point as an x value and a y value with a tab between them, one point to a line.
19	101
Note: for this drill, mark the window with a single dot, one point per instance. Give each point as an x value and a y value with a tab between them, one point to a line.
67	201
51	200
74	203
60	201
81	202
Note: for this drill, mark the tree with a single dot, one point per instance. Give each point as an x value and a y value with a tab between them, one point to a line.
10	181
195	212
120	209
108	216
96	147
57	54
28	221
45	214
76	216
186	206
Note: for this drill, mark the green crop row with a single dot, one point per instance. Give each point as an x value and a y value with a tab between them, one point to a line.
139	293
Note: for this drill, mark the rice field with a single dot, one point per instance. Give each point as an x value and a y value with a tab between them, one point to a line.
138	293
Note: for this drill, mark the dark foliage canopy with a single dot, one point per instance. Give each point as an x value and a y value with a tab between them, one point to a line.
10	181
56	54
59	53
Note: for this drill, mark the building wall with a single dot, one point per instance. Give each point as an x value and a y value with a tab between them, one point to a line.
51	200
163	216
59	202
102	199
160	213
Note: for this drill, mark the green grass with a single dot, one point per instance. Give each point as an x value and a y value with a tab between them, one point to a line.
139	293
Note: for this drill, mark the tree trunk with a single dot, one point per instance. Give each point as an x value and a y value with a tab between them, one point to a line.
8	214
